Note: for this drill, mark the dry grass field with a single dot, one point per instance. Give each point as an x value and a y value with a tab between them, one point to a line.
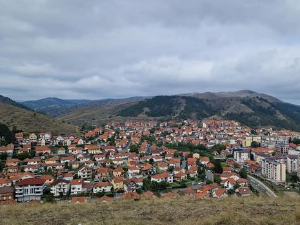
239	211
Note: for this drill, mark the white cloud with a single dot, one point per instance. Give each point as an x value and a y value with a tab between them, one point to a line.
110	48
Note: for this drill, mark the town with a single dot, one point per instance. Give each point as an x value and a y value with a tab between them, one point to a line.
148	159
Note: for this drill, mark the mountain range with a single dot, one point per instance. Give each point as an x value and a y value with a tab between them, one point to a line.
20	117
248	107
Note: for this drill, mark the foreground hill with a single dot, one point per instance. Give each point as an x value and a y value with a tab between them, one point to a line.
53	106
248	107
14	115
230	211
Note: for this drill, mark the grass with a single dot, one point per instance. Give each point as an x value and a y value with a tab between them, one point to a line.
30	121
254	210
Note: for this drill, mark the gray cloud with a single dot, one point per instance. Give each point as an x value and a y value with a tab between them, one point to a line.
111	48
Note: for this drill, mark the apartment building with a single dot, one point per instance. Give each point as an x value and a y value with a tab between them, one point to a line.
273	170
292	163
30	189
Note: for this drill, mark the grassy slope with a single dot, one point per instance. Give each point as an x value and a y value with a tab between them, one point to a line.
97	113
161	211
28	121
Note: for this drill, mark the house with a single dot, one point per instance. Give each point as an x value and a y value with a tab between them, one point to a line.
118	172
219	193
163	177
60	187
30	189
201	195
8	149
118	183
102	174
243	191
93	149
180	176
174	162
61	151
7	195
130	196
102	187
85	173
104	199
193	171
4	182
76	186
204	160
148	195
79	200
33	137
42	150
12	162
229	184
133	171
74	164
48	179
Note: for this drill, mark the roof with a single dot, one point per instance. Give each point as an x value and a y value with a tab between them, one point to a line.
31	181
6	190
60	181
130	195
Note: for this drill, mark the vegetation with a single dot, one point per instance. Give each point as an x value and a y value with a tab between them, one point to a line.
229	211
30	121
8	135
243	173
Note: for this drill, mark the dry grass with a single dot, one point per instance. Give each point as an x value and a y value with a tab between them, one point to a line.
160	211
29	121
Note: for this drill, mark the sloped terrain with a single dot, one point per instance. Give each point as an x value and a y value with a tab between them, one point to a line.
229	211
14	115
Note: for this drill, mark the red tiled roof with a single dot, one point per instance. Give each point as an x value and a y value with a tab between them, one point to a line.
31	181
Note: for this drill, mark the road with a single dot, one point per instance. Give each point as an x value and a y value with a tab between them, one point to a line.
261	187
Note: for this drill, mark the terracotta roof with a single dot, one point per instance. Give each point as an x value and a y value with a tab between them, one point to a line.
31	181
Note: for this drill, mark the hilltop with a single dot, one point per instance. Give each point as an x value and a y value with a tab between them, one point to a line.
229	211
53	106
248	107
13	114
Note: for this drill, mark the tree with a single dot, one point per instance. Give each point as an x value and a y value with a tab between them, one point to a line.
209	182
218	148
254	144
218	167
134	148
1	166
3	156
8	135
243	173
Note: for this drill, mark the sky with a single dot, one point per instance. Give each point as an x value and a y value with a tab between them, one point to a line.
94	49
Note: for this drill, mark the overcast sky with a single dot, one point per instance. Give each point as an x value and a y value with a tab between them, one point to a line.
93	49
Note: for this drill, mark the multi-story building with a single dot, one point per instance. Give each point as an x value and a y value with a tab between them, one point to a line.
60	187
85	173
273	170
241	155
30	189
292	163
76	186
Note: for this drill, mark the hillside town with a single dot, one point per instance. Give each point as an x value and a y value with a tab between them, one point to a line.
148	159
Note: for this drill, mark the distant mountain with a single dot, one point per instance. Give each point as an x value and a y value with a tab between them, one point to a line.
6	100
248	107
99	112
53	106
16	115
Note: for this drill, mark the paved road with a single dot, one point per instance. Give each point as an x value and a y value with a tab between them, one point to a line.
261	187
